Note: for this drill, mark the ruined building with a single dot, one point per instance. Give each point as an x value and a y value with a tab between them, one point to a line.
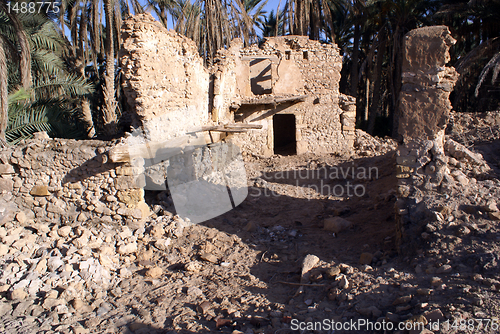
279	98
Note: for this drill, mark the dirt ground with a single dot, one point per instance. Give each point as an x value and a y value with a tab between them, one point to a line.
276	265
241	272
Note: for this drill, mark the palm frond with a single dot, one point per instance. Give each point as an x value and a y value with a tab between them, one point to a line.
52	116
67	84
493	64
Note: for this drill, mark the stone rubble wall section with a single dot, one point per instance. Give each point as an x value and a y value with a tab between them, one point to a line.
72	181
165	82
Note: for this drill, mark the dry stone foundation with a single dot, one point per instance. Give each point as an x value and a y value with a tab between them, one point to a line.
70	181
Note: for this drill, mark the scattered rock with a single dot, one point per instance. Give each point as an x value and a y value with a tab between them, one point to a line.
154	272
4	249
434	315
209	258
365	258
127	249
343	282
336	224
193	266
18	294
64	231
310	261
203	307
494	215
444	269
40	191
21	217
402	300
162	244
332	272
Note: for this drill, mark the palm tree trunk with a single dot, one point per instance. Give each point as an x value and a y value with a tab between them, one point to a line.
377	83
278	20
85	111
355	60
109	112
315	20
4	94
367	96
25	59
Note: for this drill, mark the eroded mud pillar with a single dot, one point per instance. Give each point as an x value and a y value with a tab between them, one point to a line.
423	112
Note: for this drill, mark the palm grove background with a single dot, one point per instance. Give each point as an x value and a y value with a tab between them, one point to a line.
59	71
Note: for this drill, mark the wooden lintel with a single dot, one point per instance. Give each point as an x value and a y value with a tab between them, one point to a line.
243	126
230	130
271	100
235	127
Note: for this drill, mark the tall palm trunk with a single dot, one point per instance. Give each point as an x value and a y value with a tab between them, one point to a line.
355	60
377	84
85	111
24	46
4	106
109	112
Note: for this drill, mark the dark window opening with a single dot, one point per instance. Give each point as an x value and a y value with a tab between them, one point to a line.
260	76
305	55
288	54
285	142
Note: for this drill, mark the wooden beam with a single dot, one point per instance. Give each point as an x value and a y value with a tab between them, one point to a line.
268	100
243	126
235	127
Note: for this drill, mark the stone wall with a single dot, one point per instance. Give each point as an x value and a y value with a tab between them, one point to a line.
58	179
165	82
290	66
171	94
424	109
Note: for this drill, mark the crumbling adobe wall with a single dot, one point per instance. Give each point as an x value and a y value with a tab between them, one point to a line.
423	113
165	82
297	66
71	182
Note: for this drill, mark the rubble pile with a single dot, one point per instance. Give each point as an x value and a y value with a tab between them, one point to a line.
52	273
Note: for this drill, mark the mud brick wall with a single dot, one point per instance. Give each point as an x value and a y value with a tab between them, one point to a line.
165	82
69	181
297	66
424	108
170	92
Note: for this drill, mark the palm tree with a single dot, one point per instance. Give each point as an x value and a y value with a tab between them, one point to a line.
475	55
31	106
269	26
109	91
162	8
4	93
21	44
246	20
96	44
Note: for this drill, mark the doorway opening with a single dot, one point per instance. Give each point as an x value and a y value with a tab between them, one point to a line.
285	141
